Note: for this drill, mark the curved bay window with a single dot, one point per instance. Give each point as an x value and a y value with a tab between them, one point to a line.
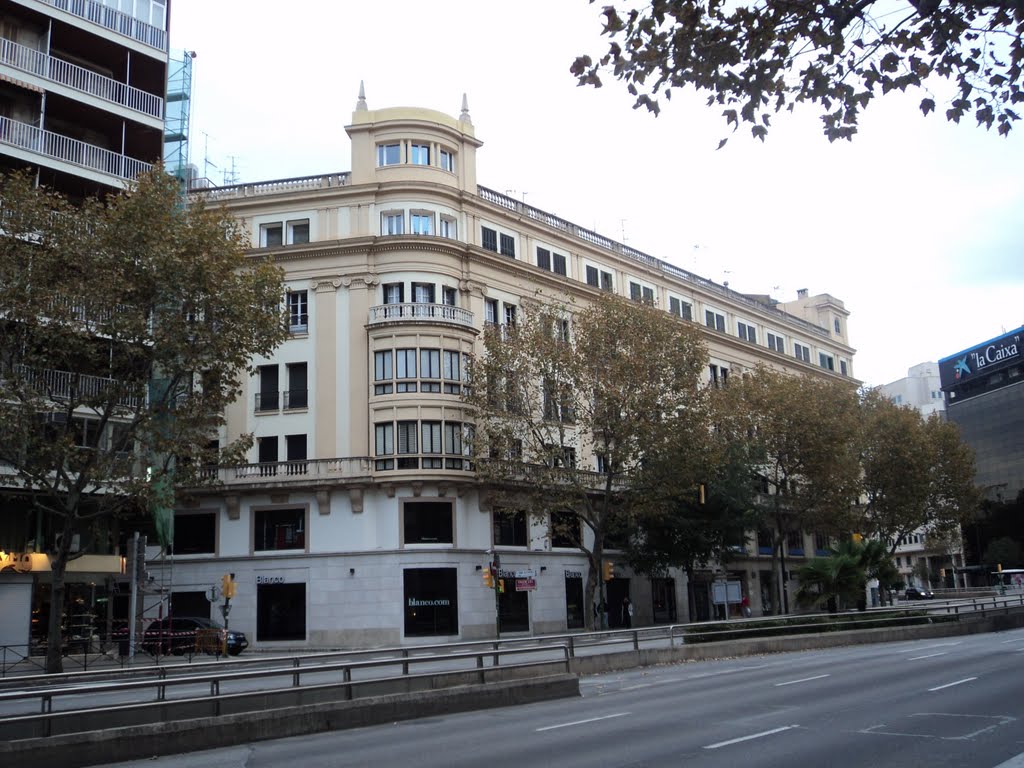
427	444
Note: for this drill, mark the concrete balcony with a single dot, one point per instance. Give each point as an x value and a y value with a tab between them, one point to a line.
285	473
53	150
421	313
50	70
113	20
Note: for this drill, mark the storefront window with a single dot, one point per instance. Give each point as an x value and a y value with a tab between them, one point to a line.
279	529
280	612
431	601
574	617
195	534
428	522
513	606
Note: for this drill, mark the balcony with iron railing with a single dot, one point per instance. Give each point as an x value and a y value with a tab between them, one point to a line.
114	20
55	146
69	385
54	70
421	313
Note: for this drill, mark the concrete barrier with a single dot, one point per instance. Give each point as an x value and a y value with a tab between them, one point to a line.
167	738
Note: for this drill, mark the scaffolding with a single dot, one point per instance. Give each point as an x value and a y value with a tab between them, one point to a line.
176	117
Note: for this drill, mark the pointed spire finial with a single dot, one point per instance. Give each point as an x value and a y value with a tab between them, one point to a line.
464	117
361	104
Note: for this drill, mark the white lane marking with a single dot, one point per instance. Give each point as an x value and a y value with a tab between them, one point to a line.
950	685
802	680
929	656
929	647
581	722
1013	762
751	736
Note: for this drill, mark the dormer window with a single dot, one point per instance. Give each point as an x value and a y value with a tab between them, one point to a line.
389	154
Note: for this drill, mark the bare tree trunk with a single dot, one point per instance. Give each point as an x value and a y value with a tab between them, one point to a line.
54	633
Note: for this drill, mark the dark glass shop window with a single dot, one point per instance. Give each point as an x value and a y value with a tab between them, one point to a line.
431	601
280	612
510	529
428	522
279	529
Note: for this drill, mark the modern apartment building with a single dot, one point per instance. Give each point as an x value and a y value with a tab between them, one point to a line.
82	86
82	91
920	389
358	520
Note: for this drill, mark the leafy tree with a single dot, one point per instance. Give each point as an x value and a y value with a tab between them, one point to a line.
799	434
128	324
759	58
841	578
677	526
613	383
916	473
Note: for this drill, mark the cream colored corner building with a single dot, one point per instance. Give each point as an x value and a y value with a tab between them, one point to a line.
358	521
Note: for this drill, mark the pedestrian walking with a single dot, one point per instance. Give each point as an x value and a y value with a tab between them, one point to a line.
627	613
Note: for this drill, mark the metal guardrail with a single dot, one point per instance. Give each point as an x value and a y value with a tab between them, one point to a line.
114	20
346	687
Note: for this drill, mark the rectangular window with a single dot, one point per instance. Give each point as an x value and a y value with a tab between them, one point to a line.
491	311
452	372
419	154
298	232
842	370
431	601
836	325
195	533
714	320
448	296
394	293
453	440
277	529
428	522
392	223
801	352
384	445
430	443
488	239
510	315
634	291
447	160
382	372
298	311
719	375
564	530
746	332
405	369
389	154
510	529
680	308
592	278
297	394
280	612
408	445
543	258
423	293
777	343
558	265
421	223
795	542
295	450
430	368
826	361
508	246
447	228
271	235
267	397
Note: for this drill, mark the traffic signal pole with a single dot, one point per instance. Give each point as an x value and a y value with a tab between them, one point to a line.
496	572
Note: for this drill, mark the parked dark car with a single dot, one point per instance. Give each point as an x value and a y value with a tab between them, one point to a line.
913	593
191	634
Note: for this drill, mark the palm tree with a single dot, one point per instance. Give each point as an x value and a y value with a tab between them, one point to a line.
830	580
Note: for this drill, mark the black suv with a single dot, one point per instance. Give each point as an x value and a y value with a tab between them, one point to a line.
913	593
191	634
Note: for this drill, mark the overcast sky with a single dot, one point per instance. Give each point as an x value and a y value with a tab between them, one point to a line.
918	225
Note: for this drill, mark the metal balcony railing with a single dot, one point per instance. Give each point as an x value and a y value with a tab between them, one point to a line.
58	147
114	20
65	73
421	313
65	385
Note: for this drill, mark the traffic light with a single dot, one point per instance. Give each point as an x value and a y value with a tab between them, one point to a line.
857	538
999	567
700	497
608	570
488	578
942	573
227	585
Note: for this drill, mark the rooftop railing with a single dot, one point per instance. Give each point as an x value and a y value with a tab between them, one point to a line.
114	20
68	150
298	183
65	73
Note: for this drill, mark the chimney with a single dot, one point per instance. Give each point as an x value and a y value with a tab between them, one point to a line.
801	293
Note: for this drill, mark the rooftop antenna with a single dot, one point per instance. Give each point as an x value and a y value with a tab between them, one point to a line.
207	165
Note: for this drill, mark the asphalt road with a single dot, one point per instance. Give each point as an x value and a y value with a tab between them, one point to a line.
946	702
